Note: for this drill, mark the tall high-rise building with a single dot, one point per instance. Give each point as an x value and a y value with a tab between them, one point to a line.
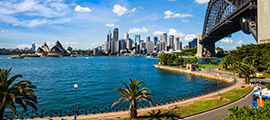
33	47
176	43
126	36
109	39
163	37
155	39
137	43
122	44
115	34
149	47
171	43
147	39
181	46
129	43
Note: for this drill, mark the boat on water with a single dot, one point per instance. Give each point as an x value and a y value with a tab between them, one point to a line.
148	56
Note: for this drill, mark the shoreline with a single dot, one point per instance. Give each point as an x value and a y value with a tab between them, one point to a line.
124	114
225	78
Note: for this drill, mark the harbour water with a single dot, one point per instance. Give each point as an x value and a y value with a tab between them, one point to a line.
97	77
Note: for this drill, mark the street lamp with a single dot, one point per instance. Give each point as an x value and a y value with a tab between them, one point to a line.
75	86
218	83
209	67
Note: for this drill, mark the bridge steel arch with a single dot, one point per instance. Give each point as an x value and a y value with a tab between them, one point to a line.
224	17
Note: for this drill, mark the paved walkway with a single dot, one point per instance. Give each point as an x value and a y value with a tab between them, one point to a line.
124	114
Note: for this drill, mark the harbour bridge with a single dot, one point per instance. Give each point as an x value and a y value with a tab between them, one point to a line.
225	17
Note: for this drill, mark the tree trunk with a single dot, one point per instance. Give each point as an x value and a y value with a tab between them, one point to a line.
226	67
133	110
247	79
2	111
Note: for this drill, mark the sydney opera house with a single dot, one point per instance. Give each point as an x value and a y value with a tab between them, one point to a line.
56	51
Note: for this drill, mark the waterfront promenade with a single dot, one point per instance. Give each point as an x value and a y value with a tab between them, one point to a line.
143	111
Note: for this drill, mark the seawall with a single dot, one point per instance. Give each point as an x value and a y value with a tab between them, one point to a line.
221	77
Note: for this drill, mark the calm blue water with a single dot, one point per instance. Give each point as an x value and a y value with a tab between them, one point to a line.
97	77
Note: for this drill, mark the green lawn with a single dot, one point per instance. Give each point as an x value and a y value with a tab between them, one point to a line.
206	66
195	107
200	66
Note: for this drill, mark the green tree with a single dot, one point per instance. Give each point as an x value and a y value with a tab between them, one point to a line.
225	61
179	61
246	113
244	67
268	85
21	93
132	94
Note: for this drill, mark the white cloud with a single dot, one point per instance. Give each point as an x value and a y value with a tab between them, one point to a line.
170	14
174	32
82	9
23	46
240	42
138	30
60	21
202	1
227	41
190	37
133	10
110	25
141	7
158	32
37	12
119	10
185	21
37	22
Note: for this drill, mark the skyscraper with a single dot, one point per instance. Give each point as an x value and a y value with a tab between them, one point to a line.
109	38
126	36
163	37
129	43
177	43
155	39
171	43
33	47
163	40
149	47
147	39
115	34
137	43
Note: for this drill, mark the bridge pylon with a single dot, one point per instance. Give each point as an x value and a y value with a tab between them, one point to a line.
263	12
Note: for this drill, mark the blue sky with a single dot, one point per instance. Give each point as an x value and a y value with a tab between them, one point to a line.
84	24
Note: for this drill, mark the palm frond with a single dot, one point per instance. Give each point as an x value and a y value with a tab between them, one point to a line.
124	98
122	91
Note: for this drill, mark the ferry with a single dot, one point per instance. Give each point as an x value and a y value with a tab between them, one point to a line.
255	100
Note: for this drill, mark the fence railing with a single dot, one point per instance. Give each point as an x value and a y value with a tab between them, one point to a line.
107	108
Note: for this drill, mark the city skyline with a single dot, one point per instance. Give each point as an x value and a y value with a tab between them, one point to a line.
84	25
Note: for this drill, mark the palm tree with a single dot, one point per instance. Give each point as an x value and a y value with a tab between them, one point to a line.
20	93
133	95
244	67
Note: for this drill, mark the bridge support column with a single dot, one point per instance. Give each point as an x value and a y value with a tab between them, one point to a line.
209	50
263	12
199	46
